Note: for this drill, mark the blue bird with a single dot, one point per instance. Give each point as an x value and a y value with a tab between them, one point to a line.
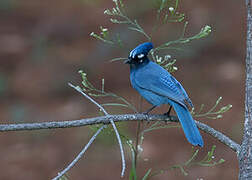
159	87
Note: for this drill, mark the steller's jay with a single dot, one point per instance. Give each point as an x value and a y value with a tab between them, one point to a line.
158	87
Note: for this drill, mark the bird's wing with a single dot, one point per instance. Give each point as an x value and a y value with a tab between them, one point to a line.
186	97
156	79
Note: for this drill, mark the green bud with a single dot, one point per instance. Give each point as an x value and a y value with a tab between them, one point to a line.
175	68
114	21
167	57
171	9
114	11
218	100
108	12
159	59
205	31
104	29
229	106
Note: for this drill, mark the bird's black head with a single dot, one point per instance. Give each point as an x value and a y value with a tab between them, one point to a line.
139	54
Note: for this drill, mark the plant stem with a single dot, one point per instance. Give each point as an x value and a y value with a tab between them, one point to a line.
138	133
137	142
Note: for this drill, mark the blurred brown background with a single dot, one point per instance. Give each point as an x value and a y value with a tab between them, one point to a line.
44	43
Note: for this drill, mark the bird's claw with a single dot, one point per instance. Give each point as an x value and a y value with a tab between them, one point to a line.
146	114
166	114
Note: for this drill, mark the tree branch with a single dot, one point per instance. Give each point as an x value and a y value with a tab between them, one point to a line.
77	88
245	155
76	159
117	118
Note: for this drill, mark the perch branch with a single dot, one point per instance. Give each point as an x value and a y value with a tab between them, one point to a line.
116	118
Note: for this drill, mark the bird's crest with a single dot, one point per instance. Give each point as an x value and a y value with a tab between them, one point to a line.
141	50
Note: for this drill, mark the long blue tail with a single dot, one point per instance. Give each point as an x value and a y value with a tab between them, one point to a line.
190	129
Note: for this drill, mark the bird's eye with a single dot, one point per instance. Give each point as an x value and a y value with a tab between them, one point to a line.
140	56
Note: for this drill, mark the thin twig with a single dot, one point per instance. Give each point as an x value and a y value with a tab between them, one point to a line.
137	142
76	159
89	98
77	88
121	147
117	118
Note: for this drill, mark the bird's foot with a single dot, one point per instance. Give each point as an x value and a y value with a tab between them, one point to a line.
168	112
146	113
149	110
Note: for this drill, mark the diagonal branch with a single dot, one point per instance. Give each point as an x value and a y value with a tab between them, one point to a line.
76	159
77	88
117	118
85	148
220	136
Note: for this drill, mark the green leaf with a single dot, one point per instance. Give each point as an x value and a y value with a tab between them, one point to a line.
147	174
118	59
192	158
213	113
114	104
135	29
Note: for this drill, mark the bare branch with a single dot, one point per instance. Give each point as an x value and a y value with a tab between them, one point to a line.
245	155
116	118
76	159
77	88
89	98
120	146
220	136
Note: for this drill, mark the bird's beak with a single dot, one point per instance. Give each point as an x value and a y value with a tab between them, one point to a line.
127	61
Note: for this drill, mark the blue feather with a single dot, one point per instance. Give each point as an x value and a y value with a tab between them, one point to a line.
159	87
189	127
